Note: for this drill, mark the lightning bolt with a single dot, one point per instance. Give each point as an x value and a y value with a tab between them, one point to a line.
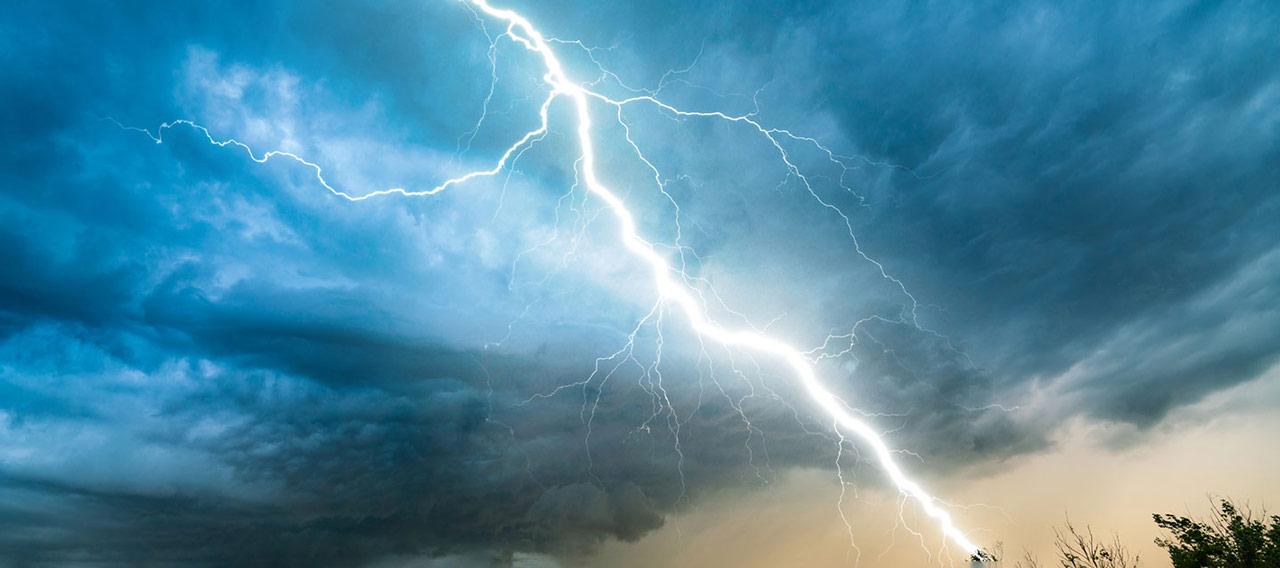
671	282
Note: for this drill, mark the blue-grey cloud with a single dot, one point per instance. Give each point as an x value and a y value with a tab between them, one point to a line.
208	361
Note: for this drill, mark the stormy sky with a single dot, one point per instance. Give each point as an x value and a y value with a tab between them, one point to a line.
1043	257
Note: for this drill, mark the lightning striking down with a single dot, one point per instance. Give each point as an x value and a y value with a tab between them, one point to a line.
665	275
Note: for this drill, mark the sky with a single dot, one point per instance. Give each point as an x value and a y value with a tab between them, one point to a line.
1036	245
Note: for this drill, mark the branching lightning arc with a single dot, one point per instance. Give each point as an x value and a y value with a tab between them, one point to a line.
671	282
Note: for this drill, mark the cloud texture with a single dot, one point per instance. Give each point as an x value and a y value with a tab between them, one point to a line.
207	361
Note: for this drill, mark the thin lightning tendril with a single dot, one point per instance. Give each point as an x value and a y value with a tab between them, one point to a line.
673	284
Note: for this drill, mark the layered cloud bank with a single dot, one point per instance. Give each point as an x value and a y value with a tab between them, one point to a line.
204	360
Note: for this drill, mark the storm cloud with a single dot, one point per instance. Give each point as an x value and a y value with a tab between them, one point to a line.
209	361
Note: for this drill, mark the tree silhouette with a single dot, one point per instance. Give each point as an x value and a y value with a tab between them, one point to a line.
1076	549
1081	550
1232	538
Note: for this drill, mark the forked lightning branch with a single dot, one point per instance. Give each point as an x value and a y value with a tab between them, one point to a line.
670	282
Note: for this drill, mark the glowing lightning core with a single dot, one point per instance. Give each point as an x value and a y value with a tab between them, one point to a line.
521	30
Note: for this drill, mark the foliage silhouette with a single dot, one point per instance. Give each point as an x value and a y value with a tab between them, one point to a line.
1231	538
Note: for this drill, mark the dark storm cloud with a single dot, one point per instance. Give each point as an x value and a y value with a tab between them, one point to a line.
208	361
1105	185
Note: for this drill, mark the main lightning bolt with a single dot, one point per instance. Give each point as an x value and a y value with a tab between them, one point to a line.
669	280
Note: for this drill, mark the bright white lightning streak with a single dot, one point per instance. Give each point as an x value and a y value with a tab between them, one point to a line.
672	291
668	288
